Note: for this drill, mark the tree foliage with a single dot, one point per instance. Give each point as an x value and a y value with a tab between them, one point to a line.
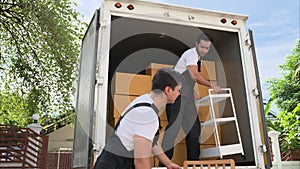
13	109
286	94
39	49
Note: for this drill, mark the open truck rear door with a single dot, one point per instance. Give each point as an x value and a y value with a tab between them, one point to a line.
82	146
265	147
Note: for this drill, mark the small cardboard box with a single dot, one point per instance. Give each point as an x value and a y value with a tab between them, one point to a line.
131	84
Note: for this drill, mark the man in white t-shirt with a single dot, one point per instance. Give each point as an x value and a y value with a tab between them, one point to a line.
183	112
135	137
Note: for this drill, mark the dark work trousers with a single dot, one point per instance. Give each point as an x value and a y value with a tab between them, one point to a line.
109	160
182	113
115	156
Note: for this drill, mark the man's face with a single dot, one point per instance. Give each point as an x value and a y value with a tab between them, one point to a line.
173	94
203	47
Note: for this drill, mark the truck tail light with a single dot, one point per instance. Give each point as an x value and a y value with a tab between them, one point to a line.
118	5
234	22
223	20
130	7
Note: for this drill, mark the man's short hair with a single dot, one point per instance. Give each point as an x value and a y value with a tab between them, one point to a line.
166	77
204	36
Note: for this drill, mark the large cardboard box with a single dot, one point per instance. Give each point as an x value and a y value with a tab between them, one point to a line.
208	70
120	103
179	155
163	114
131	84
153	67
202	90
204	112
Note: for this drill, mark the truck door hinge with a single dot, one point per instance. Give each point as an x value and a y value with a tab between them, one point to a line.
262	148
255	93
248	40
104	24
99	80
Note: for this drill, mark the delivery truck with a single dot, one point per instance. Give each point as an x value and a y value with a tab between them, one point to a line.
124	45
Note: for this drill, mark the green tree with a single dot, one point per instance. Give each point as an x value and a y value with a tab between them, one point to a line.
286	94
39	49
12	108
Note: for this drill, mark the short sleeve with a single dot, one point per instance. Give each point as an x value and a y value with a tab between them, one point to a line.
148	127
147	131
190	58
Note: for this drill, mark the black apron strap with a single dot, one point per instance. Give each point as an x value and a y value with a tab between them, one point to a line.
148	105
135	106
199	65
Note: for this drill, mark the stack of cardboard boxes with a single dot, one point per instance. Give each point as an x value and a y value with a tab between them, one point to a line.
126	87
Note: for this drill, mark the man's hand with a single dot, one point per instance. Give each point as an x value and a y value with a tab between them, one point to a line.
159	153
173	166
196	96
216	88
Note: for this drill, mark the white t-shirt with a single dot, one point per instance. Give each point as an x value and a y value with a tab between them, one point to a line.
141	121
189	57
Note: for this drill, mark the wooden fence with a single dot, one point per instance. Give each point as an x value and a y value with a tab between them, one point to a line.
59	160
22	148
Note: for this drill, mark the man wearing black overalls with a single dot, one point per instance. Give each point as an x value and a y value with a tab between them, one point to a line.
183	112
136	133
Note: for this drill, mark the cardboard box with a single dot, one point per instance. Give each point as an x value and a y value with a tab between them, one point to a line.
204	112
202	90
179	155
131	84
163	114
208	70
153	67
120	103
207	136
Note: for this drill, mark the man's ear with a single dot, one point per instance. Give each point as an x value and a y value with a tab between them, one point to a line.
168	89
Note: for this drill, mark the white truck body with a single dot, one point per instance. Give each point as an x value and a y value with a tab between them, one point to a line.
120	39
